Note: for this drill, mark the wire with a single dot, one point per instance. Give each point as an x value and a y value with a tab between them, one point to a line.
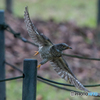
80	57
44	79
58	86
49	82
18	35
63	88
39	77
11	78
14	67
3	26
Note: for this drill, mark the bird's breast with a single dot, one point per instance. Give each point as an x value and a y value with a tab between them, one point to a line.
45	52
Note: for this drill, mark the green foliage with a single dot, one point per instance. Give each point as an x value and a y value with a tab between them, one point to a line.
14	92
81	11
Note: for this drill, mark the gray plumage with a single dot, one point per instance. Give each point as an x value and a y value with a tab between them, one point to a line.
52	52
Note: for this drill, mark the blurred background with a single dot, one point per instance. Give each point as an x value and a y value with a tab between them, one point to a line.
75	22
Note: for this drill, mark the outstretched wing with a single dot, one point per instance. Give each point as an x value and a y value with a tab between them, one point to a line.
61	67
38	38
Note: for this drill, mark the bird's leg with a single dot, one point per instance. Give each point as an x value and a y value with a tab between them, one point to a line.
36	53
39	66
42	62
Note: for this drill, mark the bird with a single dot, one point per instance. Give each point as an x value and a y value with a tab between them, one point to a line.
51	52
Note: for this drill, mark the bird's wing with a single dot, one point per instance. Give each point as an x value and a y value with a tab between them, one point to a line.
38	38
61	67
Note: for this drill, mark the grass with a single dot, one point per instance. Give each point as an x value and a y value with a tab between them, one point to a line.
81	11
45	92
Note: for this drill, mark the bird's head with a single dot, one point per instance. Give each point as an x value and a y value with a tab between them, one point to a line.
62	46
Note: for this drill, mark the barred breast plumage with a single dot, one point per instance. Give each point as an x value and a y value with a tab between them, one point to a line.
45	52
48	52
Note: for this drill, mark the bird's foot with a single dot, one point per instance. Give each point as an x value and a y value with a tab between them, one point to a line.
36	53
39	66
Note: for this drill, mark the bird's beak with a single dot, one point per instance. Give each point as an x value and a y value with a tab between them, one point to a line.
69	47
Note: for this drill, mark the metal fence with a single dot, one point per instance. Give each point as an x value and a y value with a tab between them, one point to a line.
29	73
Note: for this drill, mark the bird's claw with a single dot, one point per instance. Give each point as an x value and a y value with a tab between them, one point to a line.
36	53
39	66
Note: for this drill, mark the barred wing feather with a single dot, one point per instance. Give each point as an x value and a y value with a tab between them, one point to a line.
38	38
58	65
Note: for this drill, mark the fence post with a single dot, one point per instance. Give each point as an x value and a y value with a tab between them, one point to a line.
29	80
9	6
98	16
97	38
2	58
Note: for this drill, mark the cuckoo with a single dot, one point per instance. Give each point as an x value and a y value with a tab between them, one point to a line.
51	52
